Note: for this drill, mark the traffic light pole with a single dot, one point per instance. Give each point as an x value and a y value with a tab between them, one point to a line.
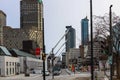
92	62
43	52
111	65
43	69
52	64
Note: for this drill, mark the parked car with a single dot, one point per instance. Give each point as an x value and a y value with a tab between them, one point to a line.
47	73
56	72
35	71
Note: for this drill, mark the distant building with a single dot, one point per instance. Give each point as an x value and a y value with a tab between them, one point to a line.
96	49
70	38
84	31
72	57
2	23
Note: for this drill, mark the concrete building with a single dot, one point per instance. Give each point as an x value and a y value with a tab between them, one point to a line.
31	63
15	62
72	57
9	66
2	23
64	60
2	18
96	50
14	37
84	31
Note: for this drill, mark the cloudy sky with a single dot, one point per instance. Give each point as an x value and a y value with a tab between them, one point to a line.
58	14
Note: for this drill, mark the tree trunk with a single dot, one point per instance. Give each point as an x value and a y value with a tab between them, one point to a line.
118	66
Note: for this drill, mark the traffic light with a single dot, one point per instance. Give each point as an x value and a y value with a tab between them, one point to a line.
102	46
37	51
43	56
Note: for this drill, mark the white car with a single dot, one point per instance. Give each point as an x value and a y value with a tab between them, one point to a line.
47	73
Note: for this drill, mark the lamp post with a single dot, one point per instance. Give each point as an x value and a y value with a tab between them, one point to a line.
92	62
111	66
44	78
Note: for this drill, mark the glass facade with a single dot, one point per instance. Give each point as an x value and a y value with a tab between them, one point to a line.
70	38
84	31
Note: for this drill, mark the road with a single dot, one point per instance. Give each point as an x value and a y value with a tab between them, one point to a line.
63	76
64	72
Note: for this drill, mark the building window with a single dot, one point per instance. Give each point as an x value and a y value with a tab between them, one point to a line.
6	63
13	63
7	71
13	70
10	70
10	63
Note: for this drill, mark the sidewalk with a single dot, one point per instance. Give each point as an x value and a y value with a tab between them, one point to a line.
71	77
19	77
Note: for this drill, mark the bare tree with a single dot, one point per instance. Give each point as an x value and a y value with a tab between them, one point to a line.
101	24
101	28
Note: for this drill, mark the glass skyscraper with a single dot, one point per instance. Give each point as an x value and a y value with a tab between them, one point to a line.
84	31
70	38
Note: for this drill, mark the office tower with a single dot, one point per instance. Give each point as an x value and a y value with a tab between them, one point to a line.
2	23
70	38
31	18
84	31
31	14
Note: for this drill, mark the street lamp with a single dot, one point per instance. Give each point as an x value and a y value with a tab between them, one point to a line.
92	62
111	66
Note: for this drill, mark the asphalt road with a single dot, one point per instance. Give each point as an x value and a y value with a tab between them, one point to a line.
63	76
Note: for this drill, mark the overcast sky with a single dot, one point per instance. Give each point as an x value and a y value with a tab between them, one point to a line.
58	14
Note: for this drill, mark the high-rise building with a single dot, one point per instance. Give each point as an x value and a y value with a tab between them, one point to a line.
70	38
31	14
84	31
2	18
31	17
2	23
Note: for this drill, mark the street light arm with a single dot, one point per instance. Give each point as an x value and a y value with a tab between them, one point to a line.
60	39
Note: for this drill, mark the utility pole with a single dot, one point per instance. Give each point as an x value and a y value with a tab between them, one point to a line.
92	62
111	65
43	52
52	59
43	67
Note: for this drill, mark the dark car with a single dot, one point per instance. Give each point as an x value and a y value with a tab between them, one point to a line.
56	72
